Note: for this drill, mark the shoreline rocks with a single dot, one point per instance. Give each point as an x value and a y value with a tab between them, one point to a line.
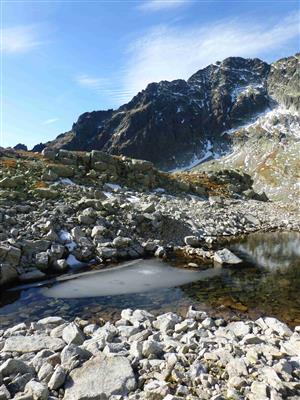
141	356
55	235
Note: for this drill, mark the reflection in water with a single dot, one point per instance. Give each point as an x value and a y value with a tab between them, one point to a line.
273	250
269	286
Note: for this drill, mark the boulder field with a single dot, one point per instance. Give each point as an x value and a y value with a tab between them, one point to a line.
65	209
147	357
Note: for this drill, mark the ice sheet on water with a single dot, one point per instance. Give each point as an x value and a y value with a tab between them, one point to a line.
138	277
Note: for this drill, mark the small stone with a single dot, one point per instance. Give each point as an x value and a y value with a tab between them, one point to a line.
72	334
239	329
38	390
259	389
192	241
57	379
236	367
152	348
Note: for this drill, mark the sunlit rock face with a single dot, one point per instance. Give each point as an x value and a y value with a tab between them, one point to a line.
268	150
284	83
238	113
170	123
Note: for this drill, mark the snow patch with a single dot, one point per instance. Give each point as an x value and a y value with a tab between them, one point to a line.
245	90
73	262
273	120
196	160
108	194
159	190
67	181
112	186
65	236
133	199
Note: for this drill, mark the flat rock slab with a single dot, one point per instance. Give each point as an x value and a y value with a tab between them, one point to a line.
33	344
100	377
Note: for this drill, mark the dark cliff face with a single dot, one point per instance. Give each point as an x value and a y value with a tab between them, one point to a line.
175	120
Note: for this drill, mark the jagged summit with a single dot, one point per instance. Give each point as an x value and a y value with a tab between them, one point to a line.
170	123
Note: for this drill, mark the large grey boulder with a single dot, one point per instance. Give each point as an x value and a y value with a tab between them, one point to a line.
279	327
32	344
100	378
12	254
8	183
8	274
14	367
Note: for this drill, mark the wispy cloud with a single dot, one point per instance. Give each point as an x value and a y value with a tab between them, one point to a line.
158	5
167	53
108	88
20	39
50	121
91	82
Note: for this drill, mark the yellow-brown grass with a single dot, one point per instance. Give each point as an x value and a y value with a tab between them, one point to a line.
40	185
8	163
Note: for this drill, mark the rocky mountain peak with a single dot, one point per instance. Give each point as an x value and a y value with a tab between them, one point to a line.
170	123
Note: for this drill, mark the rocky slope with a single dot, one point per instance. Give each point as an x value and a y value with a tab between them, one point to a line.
71	208
268	149
173	123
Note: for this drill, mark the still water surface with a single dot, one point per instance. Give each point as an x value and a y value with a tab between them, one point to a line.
267	283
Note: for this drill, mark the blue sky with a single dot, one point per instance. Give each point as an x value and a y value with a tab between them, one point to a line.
63	58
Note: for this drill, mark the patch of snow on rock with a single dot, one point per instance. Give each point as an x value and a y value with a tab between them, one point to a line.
207	153
73	262
65	236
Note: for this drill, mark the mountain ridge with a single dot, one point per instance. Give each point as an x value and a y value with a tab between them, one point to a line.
168	123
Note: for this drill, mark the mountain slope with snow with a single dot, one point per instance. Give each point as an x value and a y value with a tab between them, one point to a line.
269	150
242	113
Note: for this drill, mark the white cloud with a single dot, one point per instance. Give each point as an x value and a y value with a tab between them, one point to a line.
50	121
20	39
168	53
91	82
158	5
108	88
